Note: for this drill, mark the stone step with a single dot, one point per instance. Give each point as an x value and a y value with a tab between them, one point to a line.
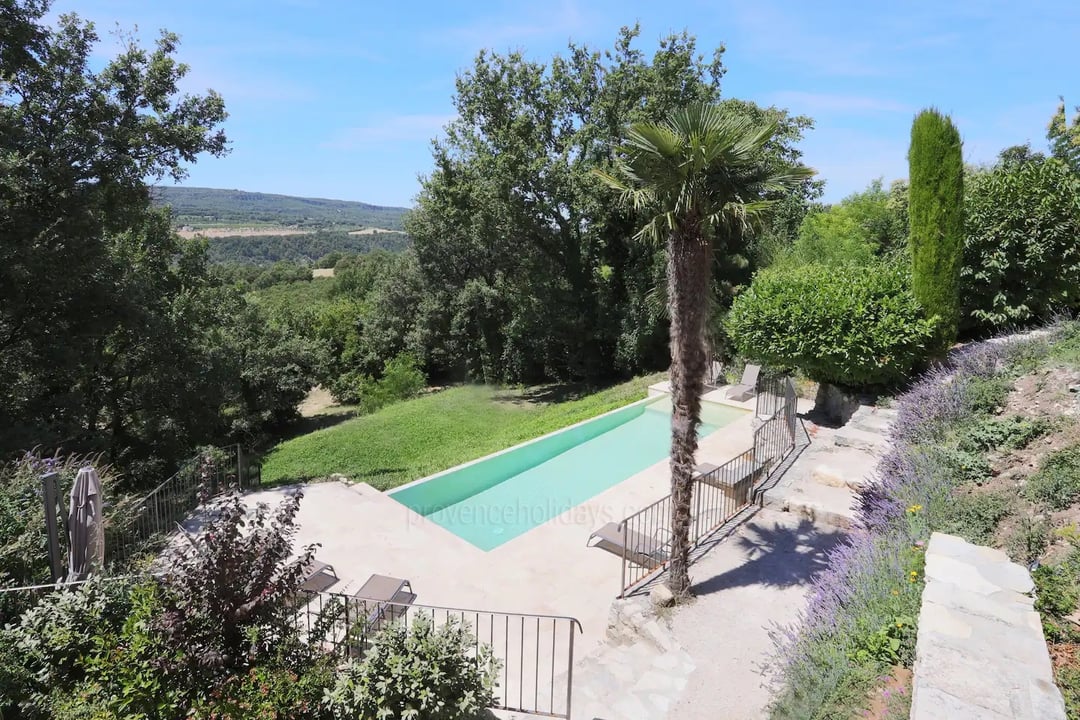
638	673
820	503
844	467
630	682
853	437
871	422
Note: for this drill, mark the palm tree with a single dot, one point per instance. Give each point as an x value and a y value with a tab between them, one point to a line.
700	177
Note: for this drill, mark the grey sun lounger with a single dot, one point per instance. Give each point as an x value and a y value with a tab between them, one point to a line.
318	576
635	547
747	386
385	599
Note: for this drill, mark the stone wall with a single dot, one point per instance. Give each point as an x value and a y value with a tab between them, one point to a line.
980	652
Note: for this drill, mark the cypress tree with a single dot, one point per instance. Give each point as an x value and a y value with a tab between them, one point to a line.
936	187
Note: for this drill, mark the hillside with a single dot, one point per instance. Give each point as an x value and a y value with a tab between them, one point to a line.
301	248
212	207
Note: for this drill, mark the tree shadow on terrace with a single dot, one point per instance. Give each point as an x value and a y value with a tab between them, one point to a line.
778	555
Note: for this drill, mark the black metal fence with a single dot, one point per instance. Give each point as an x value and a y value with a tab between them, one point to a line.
535	653
139	524
718	495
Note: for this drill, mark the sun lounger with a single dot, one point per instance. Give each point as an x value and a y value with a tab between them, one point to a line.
736	480
703	469
747	386
384	599
632	545
318	576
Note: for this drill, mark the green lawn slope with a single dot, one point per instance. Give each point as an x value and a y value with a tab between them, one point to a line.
412	439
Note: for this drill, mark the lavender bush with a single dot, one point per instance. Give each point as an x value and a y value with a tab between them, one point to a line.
875	575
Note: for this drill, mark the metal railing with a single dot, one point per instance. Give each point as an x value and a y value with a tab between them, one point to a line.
535	653
717	496
135	525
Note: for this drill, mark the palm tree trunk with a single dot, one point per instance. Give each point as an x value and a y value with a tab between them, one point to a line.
689	268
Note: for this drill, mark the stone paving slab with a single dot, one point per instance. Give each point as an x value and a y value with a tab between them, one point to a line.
980	651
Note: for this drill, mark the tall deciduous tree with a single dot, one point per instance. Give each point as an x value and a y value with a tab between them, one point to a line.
699	179
936	176
527	272
1064	137
114	334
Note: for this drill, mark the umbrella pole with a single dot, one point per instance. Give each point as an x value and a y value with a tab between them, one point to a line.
50	493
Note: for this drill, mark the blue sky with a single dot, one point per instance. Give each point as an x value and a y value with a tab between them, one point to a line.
340	99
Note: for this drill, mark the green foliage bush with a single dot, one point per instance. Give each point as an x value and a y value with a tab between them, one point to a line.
962	466
987	395
884	646
1029	540
207	636
936	177
856	231
853	326
1021	256
975	516
1057	481
51	639
418	672
401	380
269	691
1055	590
1007	433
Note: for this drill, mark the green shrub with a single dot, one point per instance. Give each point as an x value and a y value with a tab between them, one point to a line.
1030	539
855	231
831	237
53	637
417	672
269	692
1055	590
1057	481
1021	256
987	395
126	675
1008	433
853	326
936	197
885	646
975	516
963	466
401	380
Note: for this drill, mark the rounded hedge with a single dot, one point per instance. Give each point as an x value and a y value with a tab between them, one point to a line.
852	326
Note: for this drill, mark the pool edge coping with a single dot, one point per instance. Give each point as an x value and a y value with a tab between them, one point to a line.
644	401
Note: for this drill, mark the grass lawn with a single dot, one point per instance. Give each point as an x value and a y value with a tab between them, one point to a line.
412	439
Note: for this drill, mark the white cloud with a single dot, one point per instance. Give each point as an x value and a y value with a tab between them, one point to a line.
394	128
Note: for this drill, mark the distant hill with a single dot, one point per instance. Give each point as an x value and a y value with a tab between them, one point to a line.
211	207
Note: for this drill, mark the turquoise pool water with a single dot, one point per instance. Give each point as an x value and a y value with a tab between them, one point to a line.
497	498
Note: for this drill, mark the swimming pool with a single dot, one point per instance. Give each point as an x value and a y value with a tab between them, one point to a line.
494	499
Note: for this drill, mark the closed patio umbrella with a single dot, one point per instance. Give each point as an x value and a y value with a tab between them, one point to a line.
85	525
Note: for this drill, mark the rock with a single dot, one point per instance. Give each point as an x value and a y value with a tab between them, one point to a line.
626	618
836	404
859	439
661	596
